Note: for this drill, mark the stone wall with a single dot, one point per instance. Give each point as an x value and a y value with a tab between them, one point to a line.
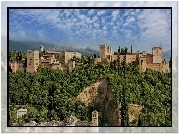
114	57
149	58
157	54
56	66
166	66
131	58
69	55
14	67
60	56
32	61
156	66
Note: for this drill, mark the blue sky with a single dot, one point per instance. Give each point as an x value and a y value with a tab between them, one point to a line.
143	29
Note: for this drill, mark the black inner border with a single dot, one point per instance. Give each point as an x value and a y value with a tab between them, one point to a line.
8	8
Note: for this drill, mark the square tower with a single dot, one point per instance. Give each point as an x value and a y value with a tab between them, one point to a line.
104	51
157	54
32	60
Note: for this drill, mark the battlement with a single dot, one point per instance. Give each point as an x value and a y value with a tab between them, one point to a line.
156	47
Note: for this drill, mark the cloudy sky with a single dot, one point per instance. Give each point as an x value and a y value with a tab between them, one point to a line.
89	28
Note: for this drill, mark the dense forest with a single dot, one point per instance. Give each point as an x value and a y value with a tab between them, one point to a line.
50	94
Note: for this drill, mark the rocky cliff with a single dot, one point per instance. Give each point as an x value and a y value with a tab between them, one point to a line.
101	94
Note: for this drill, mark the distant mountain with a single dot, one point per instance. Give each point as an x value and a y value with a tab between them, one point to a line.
166	55
36	44
31	45
14	45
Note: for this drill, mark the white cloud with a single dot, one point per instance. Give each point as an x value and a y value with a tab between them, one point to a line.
131	19
101	12
105	28
114	27
22	34
41	35
67	13
82	16
154	25
115	15
95	18
126	13
103	20
96	25
91	12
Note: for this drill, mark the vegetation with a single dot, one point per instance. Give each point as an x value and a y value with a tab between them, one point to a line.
16	55
52	93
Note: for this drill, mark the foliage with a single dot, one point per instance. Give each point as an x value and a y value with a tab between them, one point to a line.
142	89
16	55
56	90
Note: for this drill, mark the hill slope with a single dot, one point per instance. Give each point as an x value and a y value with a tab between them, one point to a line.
166	55
14	45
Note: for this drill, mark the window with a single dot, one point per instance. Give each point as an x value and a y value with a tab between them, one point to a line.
30	59
35	59
29	64
36	64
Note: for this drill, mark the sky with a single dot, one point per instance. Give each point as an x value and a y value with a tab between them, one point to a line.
143	29
92	27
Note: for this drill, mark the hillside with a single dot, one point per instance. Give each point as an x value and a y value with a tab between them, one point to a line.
14	45
166	55
97	93
59	94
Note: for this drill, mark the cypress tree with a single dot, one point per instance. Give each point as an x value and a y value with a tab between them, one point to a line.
94	55
124	108
118	59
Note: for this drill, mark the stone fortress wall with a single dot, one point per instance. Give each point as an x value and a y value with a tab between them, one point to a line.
51	59
143	59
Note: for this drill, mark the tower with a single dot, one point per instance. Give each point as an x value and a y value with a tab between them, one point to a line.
102	51
157	54
95	118
32	60
41	48
105	52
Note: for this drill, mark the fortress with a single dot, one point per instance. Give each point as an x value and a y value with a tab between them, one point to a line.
49	59
142	59
52	59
